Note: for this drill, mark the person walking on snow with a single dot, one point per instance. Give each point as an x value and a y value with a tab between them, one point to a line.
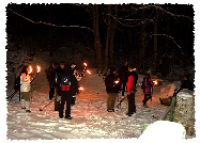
25	86
147	89
112	83
132	81
60	72
123	73
51	75
65	85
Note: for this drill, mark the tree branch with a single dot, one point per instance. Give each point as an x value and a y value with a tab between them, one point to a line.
50	24
168	12
80	5
138	21
172	39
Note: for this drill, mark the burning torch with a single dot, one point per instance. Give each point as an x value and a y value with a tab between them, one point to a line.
116	82
88	71
155	82
80	88
38	71
85	64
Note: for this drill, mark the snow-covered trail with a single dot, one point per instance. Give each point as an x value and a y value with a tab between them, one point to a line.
90	118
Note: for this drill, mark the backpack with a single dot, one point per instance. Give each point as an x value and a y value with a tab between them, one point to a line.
147	80
65	83
17	83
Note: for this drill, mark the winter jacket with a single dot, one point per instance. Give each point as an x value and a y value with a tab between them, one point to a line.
111	86
25	81
135	75
123	72
51	72
74	83
147	85
59	71
130	83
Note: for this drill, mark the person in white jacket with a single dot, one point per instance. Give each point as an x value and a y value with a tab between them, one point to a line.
25	80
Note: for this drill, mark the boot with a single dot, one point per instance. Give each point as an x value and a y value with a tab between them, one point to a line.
28	111
145	106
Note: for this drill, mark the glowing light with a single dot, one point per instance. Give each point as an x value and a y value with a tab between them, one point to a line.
88	71
38	69
85	64
155	82
116	82
81	88
30	69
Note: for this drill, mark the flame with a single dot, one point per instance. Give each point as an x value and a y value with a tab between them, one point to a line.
81	88
85	64
88	71
116	82
30	69
155	82
38	69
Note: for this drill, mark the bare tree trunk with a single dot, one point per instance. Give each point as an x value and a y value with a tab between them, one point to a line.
167	32
46	18
107	42
112	37
155	44
188	34
143	44
97	41
51	28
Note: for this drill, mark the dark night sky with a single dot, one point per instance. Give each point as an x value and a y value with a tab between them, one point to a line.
180	28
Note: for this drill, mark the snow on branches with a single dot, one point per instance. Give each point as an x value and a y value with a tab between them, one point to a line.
172	39
50	24
165	11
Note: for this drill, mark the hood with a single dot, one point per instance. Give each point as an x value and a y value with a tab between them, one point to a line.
67	70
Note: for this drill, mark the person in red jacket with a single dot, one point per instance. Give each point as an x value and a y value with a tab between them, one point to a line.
131	93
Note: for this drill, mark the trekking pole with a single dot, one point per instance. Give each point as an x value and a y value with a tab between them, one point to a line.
10	96
13	94
121	102
41	109
124	98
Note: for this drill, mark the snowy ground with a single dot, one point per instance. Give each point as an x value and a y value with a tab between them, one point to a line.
90	118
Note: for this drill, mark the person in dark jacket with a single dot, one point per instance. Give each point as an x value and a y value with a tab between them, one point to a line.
66	95
60	72
51	75
131	92
112	83
147	89
123	73
60	69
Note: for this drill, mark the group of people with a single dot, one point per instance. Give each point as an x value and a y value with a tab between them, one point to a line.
63	84
63	81
125	80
